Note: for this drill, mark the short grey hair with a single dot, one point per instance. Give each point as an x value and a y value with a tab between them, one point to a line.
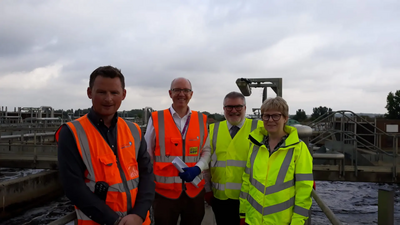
172	82
278	104
235	95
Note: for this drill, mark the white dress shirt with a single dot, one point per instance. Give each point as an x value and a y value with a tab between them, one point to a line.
150	137
240	125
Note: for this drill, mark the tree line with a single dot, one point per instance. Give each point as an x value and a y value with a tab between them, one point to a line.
392	107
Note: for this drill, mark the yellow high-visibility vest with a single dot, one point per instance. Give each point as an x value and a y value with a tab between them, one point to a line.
228	158
277	187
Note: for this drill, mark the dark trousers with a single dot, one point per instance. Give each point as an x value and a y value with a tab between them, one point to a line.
167	211
226	211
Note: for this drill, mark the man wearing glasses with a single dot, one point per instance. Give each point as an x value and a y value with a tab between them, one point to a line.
229	149
178	132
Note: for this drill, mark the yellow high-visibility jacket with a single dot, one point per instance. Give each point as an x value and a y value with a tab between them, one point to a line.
228	158
277	187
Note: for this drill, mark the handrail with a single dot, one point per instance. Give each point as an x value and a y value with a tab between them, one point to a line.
328	212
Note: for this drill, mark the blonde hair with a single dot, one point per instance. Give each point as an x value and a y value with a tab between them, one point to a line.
278	104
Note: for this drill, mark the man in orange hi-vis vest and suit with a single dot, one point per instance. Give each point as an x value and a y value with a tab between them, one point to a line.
178	132
104	166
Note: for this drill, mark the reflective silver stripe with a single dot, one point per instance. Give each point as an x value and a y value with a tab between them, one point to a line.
168	180
243	195
214	144
161	133
136	136
188	159
237	163
255	204
191	159
285	167
84	144
270	209
163	158
301	211
219	164
80	215
247	170
252	159
278	207
218	186
279	184
132	184
254	124
304	177
233	186
259	186
215	135
279	187
202	128
91	185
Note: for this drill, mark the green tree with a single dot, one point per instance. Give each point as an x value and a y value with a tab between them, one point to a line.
206	113
393	105
300	115
317	112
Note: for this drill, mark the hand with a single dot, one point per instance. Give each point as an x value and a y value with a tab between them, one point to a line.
131	219
242	221
190	173
209	197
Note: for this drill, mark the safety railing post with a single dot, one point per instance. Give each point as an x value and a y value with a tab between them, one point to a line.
385	207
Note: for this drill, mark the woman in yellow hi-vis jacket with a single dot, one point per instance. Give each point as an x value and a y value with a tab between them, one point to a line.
278	180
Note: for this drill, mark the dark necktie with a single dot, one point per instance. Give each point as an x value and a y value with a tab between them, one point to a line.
233	131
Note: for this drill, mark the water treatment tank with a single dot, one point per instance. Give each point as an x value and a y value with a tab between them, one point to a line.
303	130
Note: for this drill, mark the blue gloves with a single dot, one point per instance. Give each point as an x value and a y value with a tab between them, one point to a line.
190	173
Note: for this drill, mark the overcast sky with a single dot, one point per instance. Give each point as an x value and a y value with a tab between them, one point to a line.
341	54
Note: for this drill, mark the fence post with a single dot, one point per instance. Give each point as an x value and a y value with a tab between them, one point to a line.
385	207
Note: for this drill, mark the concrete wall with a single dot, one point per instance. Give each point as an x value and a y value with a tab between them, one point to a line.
22	193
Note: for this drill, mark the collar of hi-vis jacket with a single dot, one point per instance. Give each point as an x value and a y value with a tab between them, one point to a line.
258	134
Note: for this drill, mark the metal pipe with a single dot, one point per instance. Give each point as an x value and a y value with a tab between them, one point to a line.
328	156
328	212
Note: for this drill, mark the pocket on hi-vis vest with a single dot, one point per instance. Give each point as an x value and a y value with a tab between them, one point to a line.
193	150
108	166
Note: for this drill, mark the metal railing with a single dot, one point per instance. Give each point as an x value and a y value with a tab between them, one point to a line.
326	126
324	207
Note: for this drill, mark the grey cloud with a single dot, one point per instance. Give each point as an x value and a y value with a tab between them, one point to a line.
211	43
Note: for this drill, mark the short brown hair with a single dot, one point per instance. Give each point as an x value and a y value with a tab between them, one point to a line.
278	104
107	71
235	95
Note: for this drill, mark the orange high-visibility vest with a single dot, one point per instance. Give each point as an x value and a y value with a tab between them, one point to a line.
102	164
169	144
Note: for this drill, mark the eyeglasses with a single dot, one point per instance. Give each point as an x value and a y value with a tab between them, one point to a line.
230	107
275	117
179	90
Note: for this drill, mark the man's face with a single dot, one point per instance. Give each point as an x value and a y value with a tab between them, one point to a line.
234	110
180	93
107	95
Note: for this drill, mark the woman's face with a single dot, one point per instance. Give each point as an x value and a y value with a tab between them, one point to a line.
274	121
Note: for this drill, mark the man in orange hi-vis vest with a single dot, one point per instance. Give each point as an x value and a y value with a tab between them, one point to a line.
104	166
178	132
